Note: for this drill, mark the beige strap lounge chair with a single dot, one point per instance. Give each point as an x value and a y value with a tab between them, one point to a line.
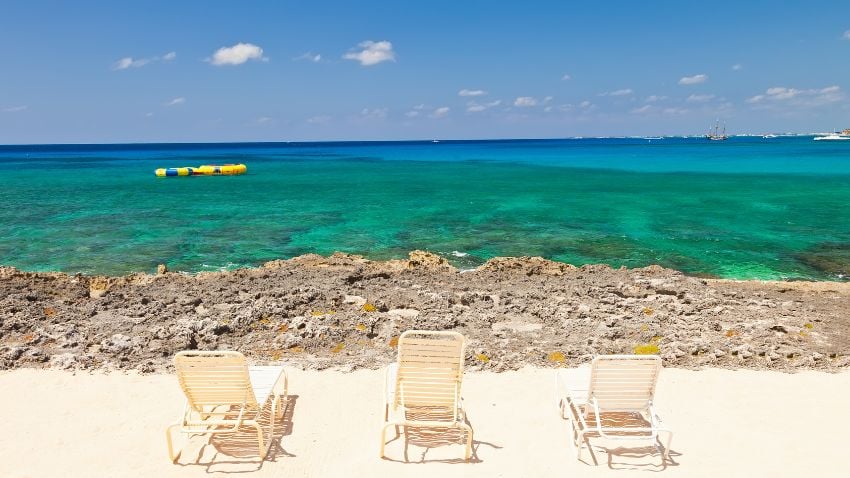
223	393
423	387
614	401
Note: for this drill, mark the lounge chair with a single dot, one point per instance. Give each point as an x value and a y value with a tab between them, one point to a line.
223	394
423	386
615	400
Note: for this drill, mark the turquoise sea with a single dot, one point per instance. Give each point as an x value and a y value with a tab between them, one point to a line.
745	208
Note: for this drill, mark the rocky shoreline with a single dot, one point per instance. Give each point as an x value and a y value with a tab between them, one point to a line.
346	312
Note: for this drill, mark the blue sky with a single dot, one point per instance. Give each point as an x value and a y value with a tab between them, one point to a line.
276	71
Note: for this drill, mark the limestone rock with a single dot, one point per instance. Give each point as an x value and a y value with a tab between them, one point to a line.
403	313
426	260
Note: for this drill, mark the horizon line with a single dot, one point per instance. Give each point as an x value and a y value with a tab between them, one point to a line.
423	140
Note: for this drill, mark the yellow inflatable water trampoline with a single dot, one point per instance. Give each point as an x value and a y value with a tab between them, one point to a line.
204	170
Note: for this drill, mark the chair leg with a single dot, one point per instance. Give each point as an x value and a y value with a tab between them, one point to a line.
387	418
168	440
274	412
667	446
260	442
574	431
384	437
579	444
468	429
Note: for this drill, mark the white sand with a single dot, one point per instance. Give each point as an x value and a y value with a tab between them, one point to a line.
726	424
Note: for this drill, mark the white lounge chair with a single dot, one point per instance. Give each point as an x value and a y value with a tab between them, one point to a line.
223	393
422	388
613	399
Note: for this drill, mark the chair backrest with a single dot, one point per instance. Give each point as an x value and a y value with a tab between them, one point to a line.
624	382
430	369
210	378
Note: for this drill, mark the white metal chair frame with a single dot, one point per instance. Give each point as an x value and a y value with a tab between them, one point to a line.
200	419
396	403
581	407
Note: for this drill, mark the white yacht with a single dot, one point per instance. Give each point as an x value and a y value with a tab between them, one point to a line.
832	137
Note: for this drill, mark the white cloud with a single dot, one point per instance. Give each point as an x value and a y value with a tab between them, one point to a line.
775	93
655	109
547	109
465	92
375	113
130	62
621	92
440	112
566	77
782	93
309	56
699	98
846	35
473	107
585	104
548	99
674	111
372	53
264	120
322	119
15	109
808	97
693	80
737	67
176	101
654	98
525	101
417	110
237	54
149	115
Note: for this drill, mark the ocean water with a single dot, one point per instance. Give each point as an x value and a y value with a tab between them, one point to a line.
744	208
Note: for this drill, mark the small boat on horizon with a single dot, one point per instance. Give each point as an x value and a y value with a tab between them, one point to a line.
716	135
832	137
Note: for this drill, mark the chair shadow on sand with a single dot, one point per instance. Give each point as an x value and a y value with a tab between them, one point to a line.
430	438
237	452
645	458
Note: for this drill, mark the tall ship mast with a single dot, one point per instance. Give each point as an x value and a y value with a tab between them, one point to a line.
716	135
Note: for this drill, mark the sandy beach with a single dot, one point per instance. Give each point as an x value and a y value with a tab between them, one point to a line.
726	423
89	361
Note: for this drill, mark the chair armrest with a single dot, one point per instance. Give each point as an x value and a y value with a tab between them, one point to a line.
390	375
